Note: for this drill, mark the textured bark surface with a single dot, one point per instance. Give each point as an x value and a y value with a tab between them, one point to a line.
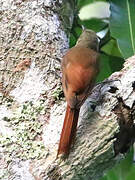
95	146
30	30
33	39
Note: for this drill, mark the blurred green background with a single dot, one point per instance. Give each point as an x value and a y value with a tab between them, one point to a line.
125	170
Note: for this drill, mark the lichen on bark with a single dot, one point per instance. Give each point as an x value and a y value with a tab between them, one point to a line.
32	43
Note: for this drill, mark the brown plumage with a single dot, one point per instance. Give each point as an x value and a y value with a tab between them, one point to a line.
68	130
79	69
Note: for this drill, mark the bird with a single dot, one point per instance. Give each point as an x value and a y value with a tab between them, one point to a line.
80	67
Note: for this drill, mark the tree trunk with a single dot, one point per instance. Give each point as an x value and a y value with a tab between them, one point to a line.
105	131
33	41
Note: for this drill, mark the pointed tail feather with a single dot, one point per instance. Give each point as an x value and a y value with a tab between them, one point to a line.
68	131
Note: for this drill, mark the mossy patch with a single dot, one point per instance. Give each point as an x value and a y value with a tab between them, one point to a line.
26	141
58	94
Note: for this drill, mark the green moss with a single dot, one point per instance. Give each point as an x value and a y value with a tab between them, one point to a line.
26	141
58	94
4	174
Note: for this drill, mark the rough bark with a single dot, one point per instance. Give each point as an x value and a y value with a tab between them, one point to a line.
32	42
104	132
33	39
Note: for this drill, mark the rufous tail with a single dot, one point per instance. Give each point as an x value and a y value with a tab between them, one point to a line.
68	131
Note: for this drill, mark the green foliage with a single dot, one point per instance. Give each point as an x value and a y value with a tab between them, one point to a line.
119	41
122	25
111	48
108	65
111	57
125	170
94	24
